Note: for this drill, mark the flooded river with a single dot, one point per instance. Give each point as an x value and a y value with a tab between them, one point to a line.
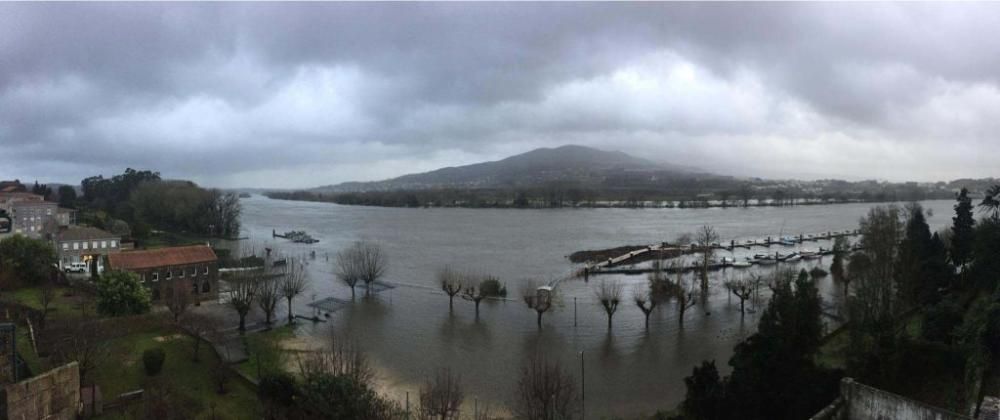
408	332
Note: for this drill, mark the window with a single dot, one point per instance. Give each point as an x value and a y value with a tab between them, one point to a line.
181	273
76	246
114	244
168	274
84	245
65	245
94	245
156	276
194	287
194	272
204	270
206	287
104	244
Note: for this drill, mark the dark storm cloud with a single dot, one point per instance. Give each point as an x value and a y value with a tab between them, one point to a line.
306	94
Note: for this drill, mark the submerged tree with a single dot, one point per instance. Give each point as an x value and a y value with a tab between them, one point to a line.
537	298
451	284
268	296
609	294
476	293
742	288
706	237
346	267
646	301
243	289
684	293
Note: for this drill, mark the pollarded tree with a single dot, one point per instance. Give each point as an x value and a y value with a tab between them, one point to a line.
451	284
243	289
684	293
476	294
268	296
293	283
537	298
706	237
743	288
441	398
178	298
646	300
609	294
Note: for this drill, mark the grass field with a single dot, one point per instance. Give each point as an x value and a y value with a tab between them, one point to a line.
121	370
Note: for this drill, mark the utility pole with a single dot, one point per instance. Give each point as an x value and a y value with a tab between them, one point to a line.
583	389
574	311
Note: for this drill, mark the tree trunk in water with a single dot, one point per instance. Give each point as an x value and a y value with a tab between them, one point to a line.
243	322
647	320
451	303
477	309
539	320
741	308
352	293
290	317
609	321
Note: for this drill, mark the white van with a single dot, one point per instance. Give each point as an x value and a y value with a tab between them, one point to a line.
77	267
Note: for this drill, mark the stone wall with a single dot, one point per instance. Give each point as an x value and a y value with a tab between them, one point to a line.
52	395
862	402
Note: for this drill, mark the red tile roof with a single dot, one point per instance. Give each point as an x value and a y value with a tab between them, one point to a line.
163	257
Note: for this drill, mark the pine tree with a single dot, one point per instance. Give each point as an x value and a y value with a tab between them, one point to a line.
962	229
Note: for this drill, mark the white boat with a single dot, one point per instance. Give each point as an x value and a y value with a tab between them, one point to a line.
741	264
792	258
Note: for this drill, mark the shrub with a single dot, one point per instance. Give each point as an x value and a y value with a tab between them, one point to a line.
817	272
278	388
492	288
120	293
153	359
940	322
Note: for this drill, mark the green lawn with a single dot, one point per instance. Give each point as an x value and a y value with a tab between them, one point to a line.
67	302
265	347
122	371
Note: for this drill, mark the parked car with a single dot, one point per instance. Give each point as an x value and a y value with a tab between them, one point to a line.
77	267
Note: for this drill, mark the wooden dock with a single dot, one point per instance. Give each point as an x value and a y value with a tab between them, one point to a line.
605	267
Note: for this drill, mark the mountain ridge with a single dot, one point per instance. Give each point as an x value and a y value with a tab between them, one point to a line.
567	163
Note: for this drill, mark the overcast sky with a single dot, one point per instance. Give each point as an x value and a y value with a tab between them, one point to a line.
301	95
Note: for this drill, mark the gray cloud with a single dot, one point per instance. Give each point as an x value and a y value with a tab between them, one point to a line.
298	94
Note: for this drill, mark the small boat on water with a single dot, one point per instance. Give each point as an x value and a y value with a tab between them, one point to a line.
787	241
297	236
741	264
810	254
793	257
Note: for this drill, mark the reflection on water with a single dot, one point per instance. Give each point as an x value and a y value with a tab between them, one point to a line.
409	331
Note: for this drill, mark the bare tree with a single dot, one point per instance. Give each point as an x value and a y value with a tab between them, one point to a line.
362	261
293	283
609	294
475	294
48	294
442	397
545	391
646	301
706	238
243	289
373	263
451	284
537	298
178	298
268	296
347	267
743	288
84	342
685	294
201	327
342	358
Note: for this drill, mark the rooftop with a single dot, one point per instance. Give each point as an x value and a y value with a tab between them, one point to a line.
162	257
84	233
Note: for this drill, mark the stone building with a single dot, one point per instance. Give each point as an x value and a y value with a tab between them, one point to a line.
164	269
29	213
85	244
